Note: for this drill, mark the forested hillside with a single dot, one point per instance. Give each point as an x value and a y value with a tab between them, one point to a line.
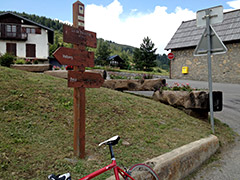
124	51
53	24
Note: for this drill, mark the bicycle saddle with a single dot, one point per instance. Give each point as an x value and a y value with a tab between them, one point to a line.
66	176
112	141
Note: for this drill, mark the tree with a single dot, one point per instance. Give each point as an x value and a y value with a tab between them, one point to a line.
145	57
126	61
103	52
163	61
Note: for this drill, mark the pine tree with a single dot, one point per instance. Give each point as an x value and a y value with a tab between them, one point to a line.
145	57
103	52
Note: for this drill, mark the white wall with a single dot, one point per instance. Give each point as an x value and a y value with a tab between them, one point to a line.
2	47
41	41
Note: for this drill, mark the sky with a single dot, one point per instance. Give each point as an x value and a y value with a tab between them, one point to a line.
124	21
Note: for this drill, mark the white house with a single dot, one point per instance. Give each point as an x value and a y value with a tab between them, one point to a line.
24	38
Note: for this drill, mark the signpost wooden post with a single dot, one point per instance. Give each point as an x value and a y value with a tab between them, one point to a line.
79	79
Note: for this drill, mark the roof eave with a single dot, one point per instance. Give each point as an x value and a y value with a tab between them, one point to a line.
50	31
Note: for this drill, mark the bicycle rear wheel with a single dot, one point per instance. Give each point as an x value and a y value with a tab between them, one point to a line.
142	172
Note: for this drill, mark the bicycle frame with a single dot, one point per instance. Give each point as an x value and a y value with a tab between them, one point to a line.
117	170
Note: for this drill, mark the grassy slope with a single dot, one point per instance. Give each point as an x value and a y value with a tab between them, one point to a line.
36	127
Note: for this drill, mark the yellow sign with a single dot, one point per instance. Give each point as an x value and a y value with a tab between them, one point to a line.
185	70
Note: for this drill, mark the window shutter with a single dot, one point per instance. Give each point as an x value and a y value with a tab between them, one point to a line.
38	30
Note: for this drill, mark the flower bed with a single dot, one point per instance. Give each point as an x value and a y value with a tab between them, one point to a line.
26	61
178	87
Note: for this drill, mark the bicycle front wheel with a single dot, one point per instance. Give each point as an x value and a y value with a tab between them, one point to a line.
142	172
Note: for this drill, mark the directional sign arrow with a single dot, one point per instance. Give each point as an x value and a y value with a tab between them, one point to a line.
79	36
74	57
84	79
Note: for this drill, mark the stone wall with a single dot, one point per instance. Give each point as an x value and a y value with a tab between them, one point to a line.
225	67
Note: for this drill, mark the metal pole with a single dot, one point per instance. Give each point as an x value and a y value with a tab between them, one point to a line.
210	67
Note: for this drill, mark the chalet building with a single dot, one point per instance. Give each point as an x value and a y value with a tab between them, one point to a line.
225	67
24	38
116	61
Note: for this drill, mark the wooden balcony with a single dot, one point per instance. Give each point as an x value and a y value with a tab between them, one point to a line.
14	36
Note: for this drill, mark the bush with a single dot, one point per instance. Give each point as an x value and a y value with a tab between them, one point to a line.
35	61
7	59
179	87
148	76
28	61
20	61
117	77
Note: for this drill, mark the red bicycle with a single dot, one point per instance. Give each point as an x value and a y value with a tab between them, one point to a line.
136	172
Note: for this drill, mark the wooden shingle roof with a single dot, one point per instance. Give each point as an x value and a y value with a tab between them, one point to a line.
188	34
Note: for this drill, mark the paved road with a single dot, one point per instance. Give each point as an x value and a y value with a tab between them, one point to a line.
228	167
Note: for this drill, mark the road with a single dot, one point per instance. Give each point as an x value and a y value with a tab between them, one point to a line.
228	167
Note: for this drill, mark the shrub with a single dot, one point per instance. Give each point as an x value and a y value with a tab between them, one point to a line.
20	61
148	76
138	77
117	77
35	61
56	68
28	61
178	87
7	59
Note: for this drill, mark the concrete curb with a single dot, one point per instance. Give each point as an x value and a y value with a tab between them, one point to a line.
182	161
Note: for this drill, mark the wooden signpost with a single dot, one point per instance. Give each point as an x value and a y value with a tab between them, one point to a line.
84	80
79	36
79	79
74	57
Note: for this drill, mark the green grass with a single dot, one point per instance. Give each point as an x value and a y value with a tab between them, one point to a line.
36	127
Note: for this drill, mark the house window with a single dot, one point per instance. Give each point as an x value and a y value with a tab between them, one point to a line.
30	30
33	30
30	50
11	30
12	48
